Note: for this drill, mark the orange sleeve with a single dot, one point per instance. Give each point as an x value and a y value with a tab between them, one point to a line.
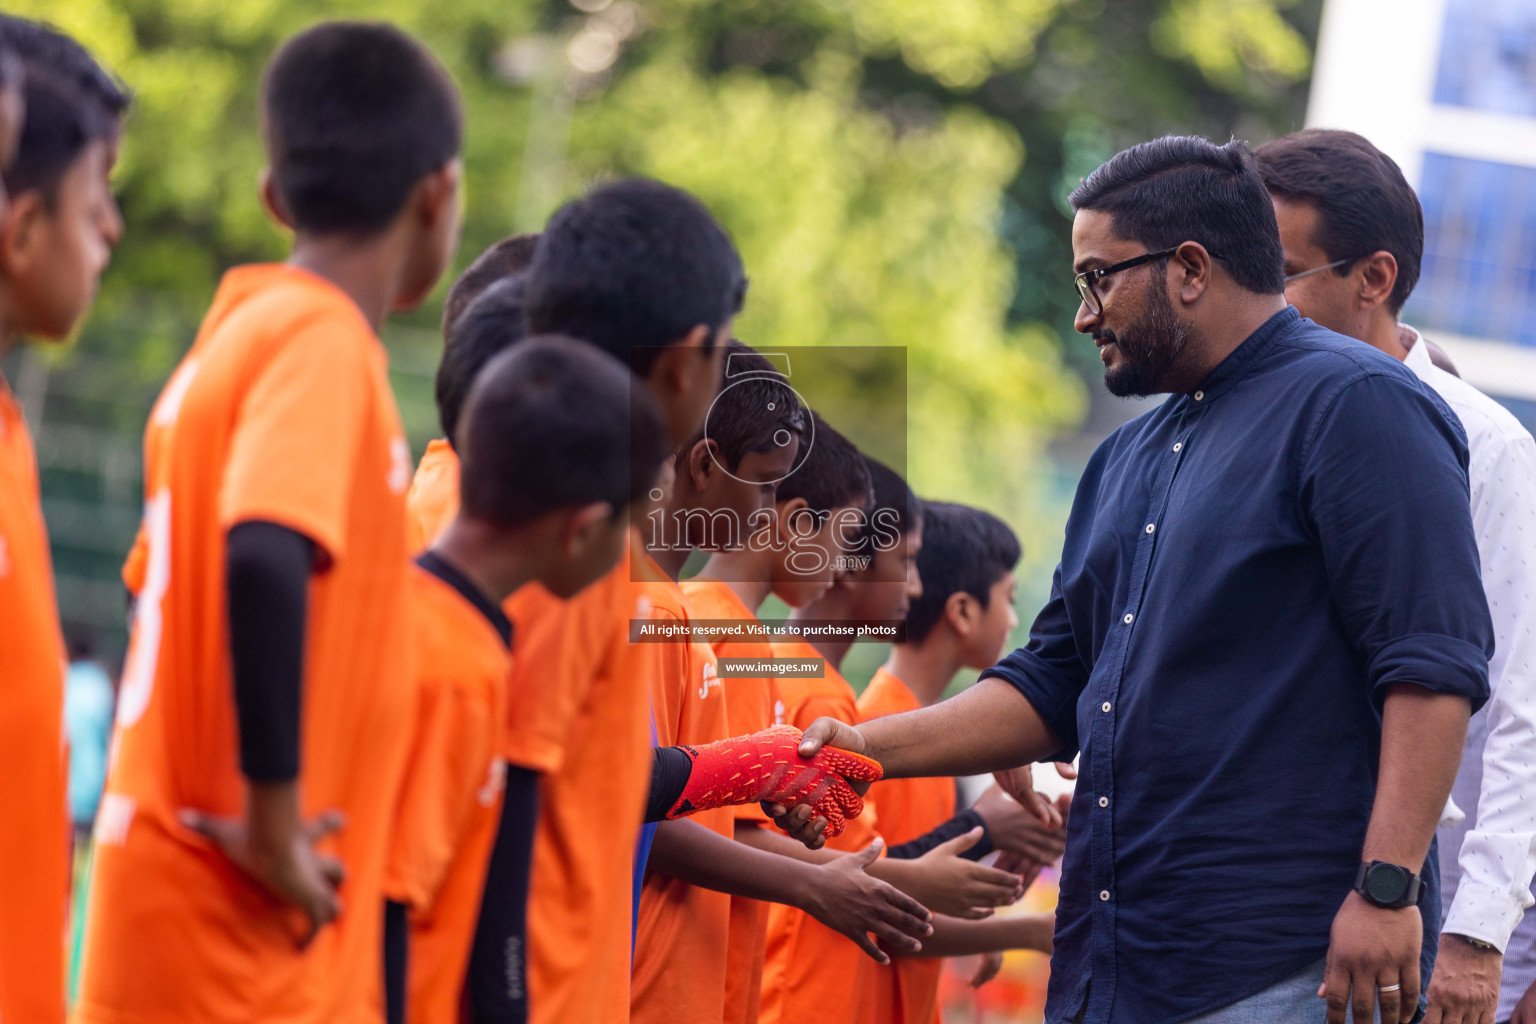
297	435
449	754
557	648
136	565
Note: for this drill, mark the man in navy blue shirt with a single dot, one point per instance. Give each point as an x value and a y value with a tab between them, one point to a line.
1264	637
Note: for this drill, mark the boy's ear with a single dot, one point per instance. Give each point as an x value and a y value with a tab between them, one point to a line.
273	201
960	613
676	364
784	512
583	527
701	458
20	235
437	192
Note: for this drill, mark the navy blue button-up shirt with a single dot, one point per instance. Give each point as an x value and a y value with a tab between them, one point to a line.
1247	568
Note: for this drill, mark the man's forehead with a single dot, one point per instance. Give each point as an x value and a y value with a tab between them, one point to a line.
1095	242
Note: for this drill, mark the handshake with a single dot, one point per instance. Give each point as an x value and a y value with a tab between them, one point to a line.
768	767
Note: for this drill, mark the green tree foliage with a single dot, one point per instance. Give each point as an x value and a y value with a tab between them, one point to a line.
893	170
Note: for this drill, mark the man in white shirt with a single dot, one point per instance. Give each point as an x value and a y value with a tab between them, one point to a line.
1353	234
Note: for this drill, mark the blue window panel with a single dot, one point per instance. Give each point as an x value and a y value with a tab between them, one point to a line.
1479	273
1488	56
1524	410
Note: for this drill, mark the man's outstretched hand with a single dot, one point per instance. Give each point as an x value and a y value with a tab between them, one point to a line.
770	767
277	851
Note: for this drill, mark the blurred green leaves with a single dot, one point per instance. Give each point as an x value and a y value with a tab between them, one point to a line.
893	170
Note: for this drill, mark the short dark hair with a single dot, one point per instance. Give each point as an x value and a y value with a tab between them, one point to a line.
71	102
490	326
755	403
503	259
1363	202
354	115
555	423
1184	188
832	475
634	265
965	550
892	492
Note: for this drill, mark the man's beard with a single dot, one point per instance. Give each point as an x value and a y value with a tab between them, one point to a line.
1148	350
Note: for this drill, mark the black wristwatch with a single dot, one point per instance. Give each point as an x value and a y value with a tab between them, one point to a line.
1389	886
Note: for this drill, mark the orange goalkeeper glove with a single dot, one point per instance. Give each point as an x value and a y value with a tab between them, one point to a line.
768	766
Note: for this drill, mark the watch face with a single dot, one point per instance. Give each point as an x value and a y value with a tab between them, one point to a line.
1386	883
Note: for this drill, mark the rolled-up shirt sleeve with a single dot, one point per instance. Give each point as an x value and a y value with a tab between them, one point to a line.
1383	484
1049	671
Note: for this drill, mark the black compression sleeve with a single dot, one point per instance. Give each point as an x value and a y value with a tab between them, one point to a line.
670	769
959	825
497	984
267	575
397	938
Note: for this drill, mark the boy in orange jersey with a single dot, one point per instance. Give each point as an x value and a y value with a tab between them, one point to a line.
638	266
805	966
434	490
819	507
259	740
725	481
961	618
552	509
59	124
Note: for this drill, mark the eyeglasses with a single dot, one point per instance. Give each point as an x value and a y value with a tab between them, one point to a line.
1325	266
1088	278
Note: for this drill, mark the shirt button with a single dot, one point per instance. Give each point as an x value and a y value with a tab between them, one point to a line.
1151	527
1104	895
1105	707
1178	446
1103	801
1199	396
1129	618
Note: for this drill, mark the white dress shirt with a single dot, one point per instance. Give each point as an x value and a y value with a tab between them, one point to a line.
1488	860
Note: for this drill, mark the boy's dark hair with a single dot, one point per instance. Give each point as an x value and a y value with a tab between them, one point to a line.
354	115
555	423
1363	202
503	259
891	492
71	102
492	324
831	475
755	404
634	265
965	550
1184	188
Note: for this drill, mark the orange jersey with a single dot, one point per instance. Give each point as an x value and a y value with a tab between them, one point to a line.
682	930
433	499
578	711
752	705
450	802
811	971
581	896
538	715
34	840
280	412
908	992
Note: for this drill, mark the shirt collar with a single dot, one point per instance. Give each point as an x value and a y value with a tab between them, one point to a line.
1233	368
1418	352
444	570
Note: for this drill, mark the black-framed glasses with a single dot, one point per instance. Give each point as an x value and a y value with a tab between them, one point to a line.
1088	278
1325	266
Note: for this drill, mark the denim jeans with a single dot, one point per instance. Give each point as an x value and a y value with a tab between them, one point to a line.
1292	1000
